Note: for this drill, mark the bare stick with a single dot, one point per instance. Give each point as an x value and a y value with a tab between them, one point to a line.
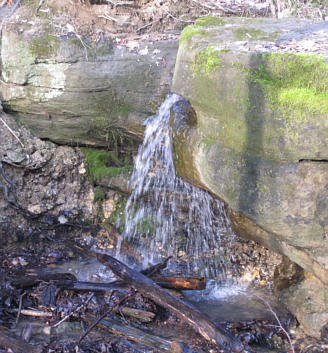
108	17
279	322
74	311
11	131
36	313
19	309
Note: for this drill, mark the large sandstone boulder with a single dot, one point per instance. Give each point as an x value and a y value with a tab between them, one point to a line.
259	135
70	93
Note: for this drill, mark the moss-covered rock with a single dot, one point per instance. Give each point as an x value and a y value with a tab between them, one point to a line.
258	138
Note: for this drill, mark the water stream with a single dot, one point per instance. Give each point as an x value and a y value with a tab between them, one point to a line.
166	215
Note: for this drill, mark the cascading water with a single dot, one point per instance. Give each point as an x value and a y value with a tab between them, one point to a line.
167	216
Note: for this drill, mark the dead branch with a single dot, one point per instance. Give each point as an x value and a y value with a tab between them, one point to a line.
197	320
35	313
19	309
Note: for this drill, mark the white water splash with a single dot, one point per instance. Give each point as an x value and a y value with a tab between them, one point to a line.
167	216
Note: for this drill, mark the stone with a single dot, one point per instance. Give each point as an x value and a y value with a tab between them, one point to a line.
71	96
258	136
308	301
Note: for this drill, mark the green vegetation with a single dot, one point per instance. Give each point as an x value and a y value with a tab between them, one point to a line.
44	46
206	62
99	193
209	21
248	33
191	31
103	165
296	86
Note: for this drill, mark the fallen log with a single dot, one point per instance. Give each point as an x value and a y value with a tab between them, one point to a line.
197	320
140	336
62	280
57	278
180	283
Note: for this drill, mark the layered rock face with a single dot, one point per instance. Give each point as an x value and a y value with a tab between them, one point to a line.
260	137
75	92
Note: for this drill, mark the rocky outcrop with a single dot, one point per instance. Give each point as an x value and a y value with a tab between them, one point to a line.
71	91
259	135
46	180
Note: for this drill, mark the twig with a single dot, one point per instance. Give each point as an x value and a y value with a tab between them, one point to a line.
19	309
279	322
170	15
11	131
115	307
108	17
147	25
36	313
74	311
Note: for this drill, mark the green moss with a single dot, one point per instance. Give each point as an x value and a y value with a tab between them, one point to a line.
99	194
191	31
247	33
209	21
206	62
295	85
98	162
44	46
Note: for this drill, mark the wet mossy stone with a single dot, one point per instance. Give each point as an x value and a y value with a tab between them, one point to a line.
260	141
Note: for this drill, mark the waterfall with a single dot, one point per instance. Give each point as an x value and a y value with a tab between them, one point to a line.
167	216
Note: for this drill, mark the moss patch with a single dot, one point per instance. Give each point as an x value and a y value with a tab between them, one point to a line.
247	33
296	86
191	31
209	21
206	61
44	46
100	164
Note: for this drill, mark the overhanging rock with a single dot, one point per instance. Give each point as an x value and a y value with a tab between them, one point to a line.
259	88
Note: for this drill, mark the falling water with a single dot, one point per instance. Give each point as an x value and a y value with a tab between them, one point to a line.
167	216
